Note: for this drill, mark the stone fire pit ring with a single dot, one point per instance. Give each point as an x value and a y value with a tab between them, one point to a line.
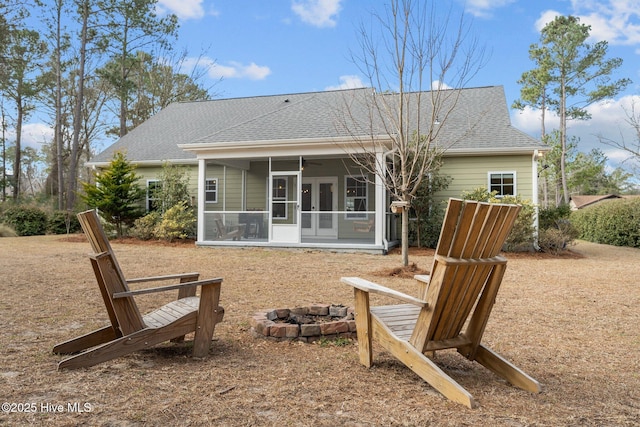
306	324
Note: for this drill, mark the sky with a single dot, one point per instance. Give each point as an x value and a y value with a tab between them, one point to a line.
260	47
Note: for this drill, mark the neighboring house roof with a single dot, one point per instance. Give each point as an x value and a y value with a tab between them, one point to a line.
579	202
479	123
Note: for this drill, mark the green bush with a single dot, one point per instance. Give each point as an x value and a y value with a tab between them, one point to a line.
26	220
521	237
556	232
177	223
144	228
62	222
614	222
551	216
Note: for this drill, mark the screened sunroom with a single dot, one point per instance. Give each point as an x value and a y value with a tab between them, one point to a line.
292	201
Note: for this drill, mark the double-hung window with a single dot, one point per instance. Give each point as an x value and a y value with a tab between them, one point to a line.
503	183
211	190
355	197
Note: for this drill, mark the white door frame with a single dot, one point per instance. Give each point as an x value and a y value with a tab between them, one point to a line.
289	232
315	229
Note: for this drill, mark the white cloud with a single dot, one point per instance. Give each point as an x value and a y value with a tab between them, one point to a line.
33	135
230	70
616	21
347	82
438	85
185	9
608	119
319	13
483	8
236	70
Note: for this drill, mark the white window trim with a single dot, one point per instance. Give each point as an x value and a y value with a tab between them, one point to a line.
284	200
515	182
356	215
208	191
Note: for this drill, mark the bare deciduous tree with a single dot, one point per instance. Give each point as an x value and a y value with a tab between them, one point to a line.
632	148
419	60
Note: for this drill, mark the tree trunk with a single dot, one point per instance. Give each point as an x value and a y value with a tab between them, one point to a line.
58	125
17	163
405	237
77	114
563	142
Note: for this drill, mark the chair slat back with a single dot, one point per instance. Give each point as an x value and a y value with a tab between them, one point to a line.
125	309
471	238
123	313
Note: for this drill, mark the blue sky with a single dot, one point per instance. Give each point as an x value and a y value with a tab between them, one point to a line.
287	46
260	47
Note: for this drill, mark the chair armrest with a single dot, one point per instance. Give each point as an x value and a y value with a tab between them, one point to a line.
167	277
424	278
367	286
167	288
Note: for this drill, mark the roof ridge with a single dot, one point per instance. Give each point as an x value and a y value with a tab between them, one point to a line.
273	95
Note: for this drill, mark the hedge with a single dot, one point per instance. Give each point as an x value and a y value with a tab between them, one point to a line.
612	222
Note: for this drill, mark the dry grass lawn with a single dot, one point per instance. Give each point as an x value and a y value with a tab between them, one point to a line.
570	322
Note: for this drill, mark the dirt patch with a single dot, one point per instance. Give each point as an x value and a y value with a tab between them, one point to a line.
570	322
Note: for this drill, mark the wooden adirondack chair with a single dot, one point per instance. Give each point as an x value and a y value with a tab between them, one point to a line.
129	330
461	289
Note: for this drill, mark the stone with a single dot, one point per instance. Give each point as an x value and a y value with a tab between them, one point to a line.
330	328
272	314
319	310
309	330
263	327
284	330
282	313
352	325
300	310
337	311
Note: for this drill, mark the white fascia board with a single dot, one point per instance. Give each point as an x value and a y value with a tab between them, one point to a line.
452	152
310	146
147	162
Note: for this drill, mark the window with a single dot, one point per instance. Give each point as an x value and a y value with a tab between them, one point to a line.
355	197
279	197
504	183
211	190
152	200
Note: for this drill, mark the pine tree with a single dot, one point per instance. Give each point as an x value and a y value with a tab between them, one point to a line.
116	193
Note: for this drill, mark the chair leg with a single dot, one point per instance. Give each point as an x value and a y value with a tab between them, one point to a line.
86	341
185	293
430	372
363	327
502	367
207	318
119	347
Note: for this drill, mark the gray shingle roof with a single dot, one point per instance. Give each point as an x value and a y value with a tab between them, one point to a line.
480	120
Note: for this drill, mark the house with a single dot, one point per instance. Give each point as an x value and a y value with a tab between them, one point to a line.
277	170
582	201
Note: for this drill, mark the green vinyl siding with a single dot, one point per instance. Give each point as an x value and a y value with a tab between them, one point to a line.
470	173
152	173
256	186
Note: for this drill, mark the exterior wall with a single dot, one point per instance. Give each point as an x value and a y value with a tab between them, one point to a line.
148	173
470	172
243	193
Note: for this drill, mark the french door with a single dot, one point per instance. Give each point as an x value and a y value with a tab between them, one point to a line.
319	199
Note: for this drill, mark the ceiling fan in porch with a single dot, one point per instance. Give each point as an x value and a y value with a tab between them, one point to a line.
306	163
